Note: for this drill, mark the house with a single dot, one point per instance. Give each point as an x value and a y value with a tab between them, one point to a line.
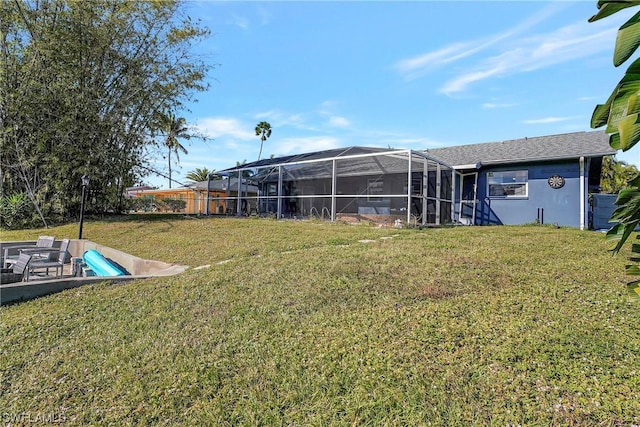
544	179
222	196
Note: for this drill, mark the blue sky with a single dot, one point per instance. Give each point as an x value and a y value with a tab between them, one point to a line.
394	74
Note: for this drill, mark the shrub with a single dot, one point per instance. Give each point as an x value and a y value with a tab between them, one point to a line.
174	205
16	211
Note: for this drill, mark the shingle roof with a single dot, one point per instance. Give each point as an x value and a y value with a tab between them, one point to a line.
542	148
315	155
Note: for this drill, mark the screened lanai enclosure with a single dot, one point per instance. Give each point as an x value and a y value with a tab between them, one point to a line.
363	183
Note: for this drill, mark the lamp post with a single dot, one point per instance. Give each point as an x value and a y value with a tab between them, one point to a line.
85	183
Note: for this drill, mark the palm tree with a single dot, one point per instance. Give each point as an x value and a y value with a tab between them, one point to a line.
173	129
615	175
201	174
263	130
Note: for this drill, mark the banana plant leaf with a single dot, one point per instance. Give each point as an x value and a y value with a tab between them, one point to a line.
635	181
609	7
621	115
629	131
618	235
634	290
627	40
614	141
628	209
632	270
601	114
617	105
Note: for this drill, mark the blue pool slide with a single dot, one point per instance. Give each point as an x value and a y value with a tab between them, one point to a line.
100	265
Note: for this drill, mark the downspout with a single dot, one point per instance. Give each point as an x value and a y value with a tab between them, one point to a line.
582	193
475	198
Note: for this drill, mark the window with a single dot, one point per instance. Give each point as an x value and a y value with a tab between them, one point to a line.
272	189
375	188
508	184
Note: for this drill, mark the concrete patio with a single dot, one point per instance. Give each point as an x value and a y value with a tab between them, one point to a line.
40	285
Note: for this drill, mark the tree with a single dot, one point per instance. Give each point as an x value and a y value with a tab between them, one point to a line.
621	114
173	130
263	130
80	83
201	174
615	175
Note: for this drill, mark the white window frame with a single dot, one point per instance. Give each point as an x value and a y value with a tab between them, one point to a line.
519	178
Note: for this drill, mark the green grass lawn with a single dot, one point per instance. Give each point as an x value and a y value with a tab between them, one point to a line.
304	324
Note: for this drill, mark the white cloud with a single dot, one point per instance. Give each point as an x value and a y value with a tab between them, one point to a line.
306	121
327	108
267	115
339	121
460	83
546	120
565	44
279	118
419	65
587	98
217	127
515	53
239	21
492	105
305	144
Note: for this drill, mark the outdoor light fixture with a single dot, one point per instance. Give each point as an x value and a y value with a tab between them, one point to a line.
85	184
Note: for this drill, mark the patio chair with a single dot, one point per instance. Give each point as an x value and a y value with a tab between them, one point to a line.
43	242
57	263
18	272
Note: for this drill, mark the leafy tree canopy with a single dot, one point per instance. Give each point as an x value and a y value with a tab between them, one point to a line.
616	175
201	174
263	130
80	84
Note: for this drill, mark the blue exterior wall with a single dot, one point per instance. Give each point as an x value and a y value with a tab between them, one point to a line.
560	206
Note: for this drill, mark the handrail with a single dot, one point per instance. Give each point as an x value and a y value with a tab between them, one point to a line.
324	208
